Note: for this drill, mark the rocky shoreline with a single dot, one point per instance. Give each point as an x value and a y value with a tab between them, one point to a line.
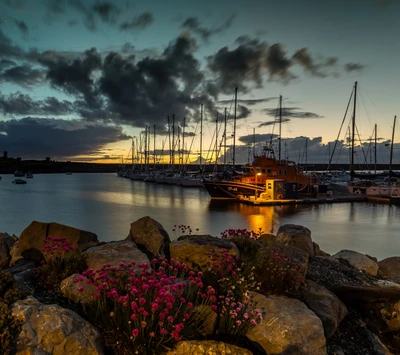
347	303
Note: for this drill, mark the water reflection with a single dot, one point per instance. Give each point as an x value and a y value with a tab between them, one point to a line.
106	205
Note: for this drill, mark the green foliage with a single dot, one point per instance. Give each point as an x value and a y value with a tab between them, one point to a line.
9	330
9	327
246	242
8	290
61	261
276	273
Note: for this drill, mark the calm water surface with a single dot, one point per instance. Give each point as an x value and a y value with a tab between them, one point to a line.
106	205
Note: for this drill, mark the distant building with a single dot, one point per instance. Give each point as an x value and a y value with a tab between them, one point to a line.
48	158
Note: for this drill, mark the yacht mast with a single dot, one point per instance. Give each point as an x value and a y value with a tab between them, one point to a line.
376	128
280	127
201	137
234	131
154	147
225	140
353	133
169	140
183	145
173	142
391	151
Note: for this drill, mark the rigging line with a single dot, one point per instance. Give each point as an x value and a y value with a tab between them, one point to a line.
340	130
366	111
387	121
362	147
191	144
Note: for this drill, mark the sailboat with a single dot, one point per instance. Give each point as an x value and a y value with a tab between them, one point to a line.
386	189
255	175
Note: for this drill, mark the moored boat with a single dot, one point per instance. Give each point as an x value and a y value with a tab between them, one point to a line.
19	181
252	181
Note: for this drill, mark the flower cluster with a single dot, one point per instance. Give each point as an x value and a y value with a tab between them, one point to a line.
230	233
235	311
61	259
237	317
278	273
54	246
184	229
151	304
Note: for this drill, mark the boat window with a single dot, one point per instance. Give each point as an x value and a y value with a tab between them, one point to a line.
263	170
251	170
280	172
269	171
284	172
258	169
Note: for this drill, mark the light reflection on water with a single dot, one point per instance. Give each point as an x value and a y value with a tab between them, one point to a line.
106	205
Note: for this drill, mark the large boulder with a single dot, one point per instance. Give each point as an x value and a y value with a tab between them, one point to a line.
147	233
198	251
358	260
288	327
296	236
114	253
390	267
51	329
6	242
325	305
31	240
370	296
207	347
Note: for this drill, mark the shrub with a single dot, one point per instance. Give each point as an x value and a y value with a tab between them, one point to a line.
235	312
246	242
9	330
147	312
61	259
276	272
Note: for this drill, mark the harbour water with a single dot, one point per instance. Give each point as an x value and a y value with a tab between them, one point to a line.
106	205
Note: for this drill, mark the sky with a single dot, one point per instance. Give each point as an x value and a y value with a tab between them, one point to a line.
81	80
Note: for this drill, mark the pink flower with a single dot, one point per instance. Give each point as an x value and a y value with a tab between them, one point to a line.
142	300
80	289
135	332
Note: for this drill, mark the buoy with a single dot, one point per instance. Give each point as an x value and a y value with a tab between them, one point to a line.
279	196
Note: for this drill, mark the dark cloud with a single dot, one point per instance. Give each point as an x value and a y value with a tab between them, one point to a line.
277	64
291	112
23	27
240	67
258	138
249	102
145	92
319	69
22	75
139	22
8	48
350	67
193	24
107	11
74	76
5	63
271	123
88	13
242	112
20	104
63	138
